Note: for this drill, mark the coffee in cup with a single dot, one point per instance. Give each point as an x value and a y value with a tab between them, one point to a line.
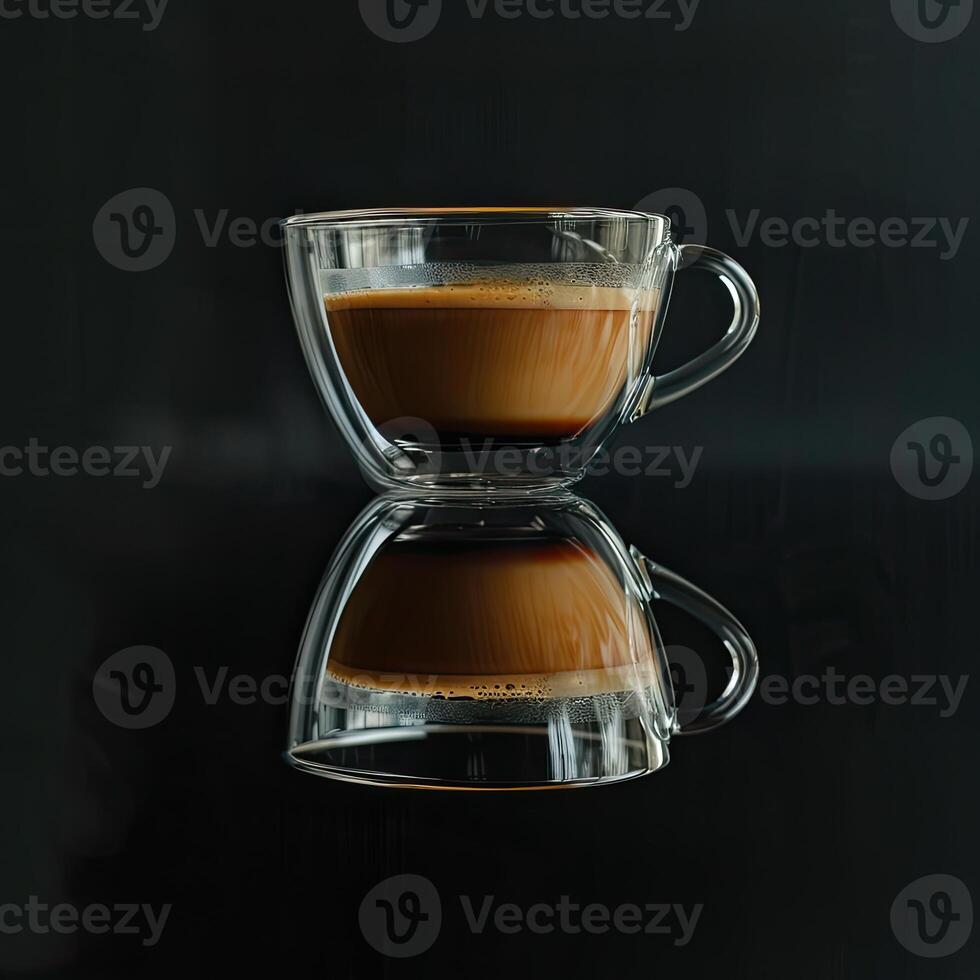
492	620
529	362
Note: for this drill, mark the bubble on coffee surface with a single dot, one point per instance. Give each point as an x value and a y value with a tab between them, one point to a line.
457	689
503	688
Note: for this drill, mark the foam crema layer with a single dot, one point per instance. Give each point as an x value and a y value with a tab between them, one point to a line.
625	276
530	294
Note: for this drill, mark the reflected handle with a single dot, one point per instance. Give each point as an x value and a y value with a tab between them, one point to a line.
664	388
670	587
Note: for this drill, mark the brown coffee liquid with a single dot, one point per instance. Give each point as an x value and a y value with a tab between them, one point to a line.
518	362
492	620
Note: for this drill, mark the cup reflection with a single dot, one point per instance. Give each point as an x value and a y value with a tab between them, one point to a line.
492	645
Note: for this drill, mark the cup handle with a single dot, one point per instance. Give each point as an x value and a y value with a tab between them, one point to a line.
671	587
662	389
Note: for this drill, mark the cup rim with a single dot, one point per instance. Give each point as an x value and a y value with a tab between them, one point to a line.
469	215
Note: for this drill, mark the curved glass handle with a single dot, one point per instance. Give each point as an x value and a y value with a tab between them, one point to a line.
670	587
660	390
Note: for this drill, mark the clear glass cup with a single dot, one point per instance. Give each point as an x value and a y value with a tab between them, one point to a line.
504	644
493	349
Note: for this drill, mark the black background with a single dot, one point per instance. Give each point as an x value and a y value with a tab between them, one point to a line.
796	826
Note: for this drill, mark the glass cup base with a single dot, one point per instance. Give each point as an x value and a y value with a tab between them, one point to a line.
488	469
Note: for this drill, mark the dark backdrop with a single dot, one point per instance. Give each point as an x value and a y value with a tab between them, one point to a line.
799	824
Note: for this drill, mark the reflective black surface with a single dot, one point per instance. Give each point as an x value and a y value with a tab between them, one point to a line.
800	825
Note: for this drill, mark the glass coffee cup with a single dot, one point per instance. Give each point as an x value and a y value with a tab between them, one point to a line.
493	349
496	645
